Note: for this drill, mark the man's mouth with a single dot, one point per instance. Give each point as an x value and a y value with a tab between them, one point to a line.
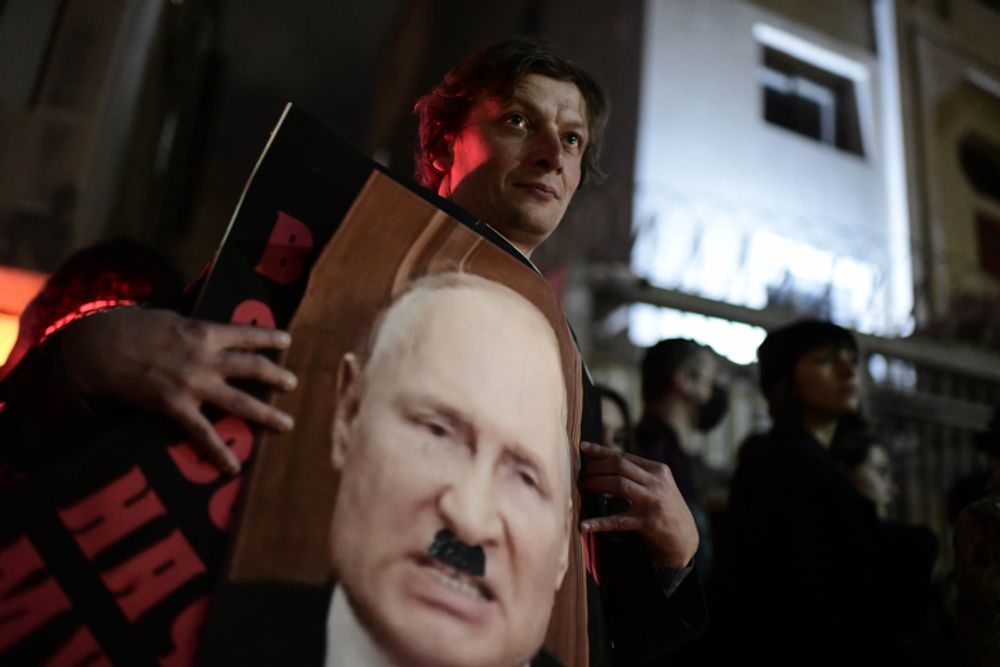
540	190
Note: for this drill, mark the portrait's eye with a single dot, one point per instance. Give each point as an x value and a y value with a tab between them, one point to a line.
436	429
528	478
573	139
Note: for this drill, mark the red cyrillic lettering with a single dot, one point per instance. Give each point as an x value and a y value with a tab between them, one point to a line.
199	469
282	258
146	579
184	633
24	612
112	513
82	648
253	312
220	507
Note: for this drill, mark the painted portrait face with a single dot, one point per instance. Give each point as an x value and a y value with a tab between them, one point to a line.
516	163
456	421
826	381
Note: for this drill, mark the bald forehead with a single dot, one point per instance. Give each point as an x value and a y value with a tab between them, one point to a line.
450	296
462	321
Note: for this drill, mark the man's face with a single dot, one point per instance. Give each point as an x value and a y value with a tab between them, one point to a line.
826	381
454	425
516	163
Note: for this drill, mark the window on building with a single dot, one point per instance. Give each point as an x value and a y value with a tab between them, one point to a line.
980	160
810	101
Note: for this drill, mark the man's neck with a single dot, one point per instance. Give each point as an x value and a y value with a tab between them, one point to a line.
348	644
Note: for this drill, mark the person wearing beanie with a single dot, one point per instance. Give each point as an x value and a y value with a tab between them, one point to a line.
803	554
977	561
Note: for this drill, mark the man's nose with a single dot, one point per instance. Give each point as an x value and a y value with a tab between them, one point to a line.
470	509
548	150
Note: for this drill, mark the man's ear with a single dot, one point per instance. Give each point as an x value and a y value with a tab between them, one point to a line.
442	154
346	410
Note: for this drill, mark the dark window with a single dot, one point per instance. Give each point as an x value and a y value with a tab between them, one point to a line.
810	101
980	160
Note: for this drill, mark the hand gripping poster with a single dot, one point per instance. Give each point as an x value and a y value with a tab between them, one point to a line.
423	509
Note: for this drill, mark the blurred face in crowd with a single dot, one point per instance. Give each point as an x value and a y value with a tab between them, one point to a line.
517	163
613	421
703	373
452	425
826	382
873	478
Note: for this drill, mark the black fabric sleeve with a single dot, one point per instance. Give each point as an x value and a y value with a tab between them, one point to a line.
644	619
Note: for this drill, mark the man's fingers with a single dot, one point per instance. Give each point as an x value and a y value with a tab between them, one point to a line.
615	466
596	451
602	453
247	365
204	437
250	337
616	485
613	523
241	404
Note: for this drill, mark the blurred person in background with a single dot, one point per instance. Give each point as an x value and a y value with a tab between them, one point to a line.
806	561
682	395
616	420
977	562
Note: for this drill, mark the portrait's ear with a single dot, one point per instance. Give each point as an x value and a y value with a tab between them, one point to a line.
348	404
568	534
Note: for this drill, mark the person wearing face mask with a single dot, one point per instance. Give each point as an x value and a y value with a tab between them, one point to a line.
681	395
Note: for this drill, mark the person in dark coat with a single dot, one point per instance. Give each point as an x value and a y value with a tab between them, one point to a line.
806	562
681	394
509	135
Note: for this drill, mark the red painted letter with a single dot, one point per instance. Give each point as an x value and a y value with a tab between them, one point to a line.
112	513
196	468
81	649
24	612
184	633
253	312
282	258
145	579
220	507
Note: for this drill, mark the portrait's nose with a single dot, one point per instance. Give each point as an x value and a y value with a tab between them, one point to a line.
469	508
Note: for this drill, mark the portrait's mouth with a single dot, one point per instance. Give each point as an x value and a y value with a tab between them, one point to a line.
462	583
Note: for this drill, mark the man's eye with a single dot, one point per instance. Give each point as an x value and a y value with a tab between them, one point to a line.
517	120
573	139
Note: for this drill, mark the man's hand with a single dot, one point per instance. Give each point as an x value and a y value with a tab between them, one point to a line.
657	511
169	364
